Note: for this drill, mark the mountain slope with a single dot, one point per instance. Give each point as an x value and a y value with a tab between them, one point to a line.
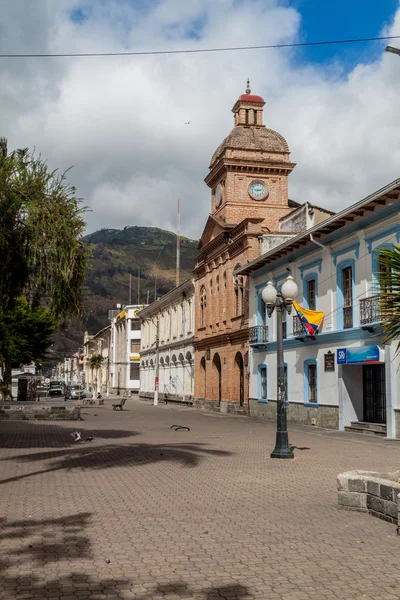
116	257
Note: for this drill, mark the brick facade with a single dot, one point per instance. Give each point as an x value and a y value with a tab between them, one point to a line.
250	153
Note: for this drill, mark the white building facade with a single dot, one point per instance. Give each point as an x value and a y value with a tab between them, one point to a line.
125	351
346	376
170	321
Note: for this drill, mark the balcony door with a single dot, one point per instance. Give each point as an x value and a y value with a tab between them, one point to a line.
347	287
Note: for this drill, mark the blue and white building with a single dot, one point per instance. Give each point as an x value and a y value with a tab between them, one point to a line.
346	376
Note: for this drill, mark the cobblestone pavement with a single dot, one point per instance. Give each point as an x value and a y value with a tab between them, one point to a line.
144	512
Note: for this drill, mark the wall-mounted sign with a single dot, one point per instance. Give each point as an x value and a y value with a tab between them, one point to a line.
329	361
135	357
364	354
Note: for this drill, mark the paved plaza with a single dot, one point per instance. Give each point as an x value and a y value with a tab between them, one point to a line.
146	512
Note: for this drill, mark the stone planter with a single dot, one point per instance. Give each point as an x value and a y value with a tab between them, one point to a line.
49	410
376	493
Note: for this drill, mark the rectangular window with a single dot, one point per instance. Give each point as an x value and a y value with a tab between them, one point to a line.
347	275
255	117
135	325
311	287
263	373
134	374
247	116
347	287
384	275
312	383
135	346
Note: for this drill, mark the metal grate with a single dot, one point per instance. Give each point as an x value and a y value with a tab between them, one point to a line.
347	317
370	310
258	334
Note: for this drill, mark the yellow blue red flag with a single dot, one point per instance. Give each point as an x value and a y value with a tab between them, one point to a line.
311	319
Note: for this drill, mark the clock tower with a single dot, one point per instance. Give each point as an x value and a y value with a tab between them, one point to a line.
249	170
248	179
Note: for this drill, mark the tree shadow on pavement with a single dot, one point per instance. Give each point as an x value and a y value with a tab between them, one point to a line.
91	456
58	545
34	434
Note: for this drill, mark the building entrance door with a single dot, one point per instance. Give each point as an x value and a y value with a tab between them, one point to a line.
374	393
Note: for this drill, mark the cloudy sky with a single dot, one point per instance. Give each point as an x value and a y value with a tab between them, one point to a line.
121	120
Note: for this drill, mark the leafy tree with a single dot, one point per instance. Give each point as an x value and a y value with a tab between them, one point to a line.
389	294
43	257
25	335
95	361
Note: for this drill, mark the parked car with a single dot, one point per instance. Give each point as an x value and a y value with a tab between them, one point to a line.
74	392
56	388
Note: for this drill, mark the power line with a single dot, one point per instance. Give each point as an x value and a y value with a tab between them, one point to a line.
202	50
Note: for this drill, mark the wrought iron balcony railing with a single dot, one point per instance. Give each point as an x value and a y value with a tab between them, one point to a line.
347	317
370	311
258	334
298	328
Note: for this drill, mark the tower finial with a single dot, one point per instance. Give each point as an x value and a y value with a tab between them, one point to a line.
248	90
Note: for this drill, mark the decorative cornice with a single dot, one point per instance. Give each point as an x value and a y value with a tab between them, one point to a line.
314	263
349	248
370	239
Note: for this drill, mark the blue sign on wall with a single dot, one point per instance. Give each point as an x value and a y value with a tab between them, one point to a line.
365	354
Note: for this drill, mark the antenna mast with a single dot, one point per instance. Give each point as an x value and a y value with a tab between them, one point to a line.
138	288
178	242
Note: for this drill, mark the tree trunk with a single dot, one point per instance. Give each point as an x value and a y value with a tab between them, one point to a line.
6	382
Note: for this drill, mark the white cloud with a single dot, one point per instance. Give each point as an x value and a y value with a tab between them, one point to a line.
121	121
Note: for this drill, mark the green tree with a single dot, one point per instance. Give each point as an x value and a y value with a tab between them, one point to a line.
43	257
389	294
25	335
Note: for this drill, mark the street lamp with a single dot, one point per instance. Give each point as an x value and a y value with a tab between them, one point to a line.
393	50
280	301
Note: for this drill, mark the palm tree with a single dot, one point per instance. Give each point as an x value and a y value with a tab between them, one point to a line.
95	361
389	294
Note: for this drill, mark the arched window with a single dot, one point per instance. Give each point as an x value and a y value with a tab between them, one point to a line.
239	294
203	306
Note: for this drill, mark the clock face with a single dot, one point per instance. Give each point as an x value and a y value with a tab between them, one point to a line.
218	195
257	190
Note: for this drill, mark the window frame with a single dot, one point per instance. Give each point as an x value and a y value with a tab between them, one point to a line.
313	362
341	267
262	367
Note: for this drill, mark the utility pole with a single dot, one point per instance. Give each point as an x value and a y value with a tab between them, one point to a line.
157	368
178	242
130	289
138	288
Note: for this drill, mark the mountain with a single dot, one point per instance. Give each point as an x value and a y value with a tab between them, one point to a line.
116	256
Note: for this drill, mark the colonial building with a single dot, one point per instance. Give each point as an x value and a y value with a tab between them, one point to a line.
346	376
169	324
248	181
125	348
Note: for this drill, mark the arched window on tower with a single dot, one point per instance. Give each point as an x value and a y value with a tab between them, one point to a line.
203	306
247	116
239	294
255	117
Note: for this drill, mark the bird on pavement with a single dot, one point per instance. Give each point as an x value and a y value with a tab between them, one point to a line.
77	436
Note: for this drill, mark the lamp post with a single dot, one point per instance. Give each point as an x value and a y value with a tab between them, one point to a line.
393	50
280	301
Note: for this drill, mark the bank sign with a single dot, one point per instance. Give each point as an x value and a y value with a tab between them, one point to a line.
365	354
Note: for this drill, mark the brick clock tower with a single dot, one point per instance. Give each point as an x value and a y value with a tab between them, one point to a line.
248	179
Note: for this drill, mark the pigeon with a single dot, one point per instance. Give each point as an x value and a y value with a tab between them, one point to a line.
77	436
89	439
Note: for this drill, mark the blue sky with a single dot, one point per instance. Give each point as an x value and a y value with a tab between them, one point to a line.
340	19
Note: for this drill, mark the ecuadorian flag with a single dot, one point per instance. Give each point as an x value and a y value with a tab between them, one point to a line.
311	319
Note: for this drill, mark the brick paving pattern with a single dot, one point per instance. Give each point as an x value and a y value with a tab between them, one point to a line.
145	513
